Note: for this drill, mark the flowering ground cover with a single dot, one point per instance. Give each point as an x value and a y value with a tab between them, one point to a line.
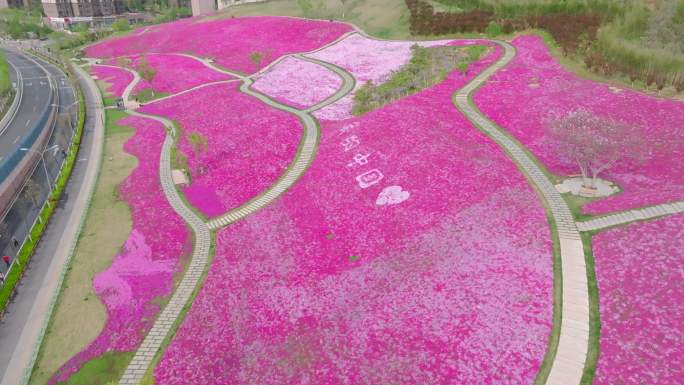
639	269
236	146
230	41
142	273
174	73
298	83
411	252
117	79
369	60
534	85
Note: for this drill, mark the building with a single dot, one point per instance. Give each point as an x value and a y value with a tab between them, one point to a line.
203	7
82	8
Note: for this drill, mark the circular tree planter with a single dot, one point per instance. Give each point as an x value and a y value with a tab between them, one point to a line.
575	186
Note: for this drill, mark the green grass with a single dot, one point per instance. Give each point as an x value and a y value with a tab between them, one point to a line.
382	18
428	66
101	370
147	95
5	81
111	117
594	314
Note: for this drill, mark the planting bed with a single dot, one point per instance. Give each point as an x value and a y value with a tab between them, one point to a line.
368	60
117	79
298	83
133	287
232	42
533	86
412	252
639	273
241	145
174	73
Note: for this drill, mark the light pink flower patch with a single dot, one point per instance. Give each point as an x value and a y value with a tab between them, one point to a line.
230	41
298	83
370	60
640	269
450	284
118	79
175	73
143	271
534	85
249	144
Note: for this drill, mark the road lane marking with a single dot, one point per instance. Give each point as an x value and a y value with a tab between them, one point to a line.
16	140
28	122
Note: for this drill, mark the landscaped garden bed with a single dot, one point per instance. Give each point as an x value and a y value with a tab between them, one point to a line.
116	79
173	73
141	276
243	44
639	274
412	251
534	86
233	145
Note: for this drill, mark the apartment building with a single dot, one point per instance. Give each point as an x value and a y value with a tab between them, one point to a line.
82	8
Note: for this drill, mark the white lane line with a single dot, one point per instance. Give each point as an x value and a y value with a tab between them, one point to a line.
16	140
28	122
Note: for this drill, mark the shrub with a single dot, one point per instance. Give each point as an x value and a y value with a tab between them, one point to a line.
493	29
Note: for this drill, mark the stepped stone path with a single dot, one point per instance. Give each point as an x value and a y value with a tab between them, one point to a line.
568	365
631	216
200	257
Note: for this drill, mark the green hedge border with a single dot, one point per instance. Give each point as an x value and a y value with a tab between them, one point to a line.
29	247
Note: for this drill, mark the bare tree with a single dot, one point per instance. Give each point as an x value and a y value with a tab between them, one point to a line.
595	143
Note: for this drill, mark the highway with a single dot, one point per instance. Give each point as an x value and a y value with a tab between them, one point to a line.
35	94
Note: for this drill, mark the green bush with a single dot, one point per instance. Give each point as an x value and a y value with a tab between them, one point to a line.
5	82
493	29
121	25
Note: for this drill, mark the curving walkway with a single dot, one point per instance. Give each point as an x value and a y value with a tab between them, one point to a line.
348	83
631	216
568	364
200	257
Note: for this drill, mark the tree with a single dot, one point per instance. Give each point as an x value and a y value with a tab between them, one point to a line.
121	25
595	143
256	58
146	72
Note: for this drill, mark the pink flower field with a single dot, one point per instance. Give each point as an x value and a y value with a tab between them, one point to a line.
117	79
411	252
143	271
248	144
175	73
298	83
534	85
229	41
639	269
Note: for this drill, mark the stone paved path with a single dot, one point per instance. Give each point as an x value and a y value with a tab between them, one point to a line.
200	257
631	216
568	364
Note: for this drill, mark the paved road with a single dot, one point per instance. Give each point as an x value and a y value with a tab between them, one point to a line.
35	95
25	316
